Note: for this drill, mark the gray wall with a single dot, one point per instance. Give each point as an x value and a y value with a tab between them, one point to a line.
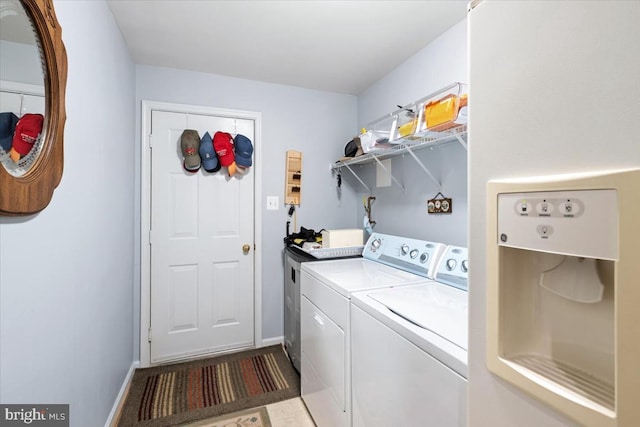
66	274
316	123
442	62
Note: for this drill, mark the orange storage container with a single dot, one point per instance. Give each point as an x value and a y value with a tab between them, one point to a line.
441	114
408	128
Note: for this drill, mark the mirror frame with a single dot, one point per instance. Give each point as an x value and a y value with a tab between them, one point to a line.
30	193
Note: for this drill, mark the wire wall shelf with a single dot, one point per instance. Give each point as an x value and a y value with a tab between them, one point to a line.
408	145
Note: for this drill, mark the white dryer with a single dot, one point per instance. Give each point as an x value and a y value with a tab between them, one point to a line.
326	288
409	350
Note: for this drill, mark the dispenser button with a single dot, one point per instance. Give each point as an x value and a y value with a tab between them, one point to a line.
571	208
544	230
544	208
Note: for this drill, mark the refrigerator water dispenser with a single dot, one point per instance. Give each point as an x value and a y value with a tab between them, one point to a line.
562	286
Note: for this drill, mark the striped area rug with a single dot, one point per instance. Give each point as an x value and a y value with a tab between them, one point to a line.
174	394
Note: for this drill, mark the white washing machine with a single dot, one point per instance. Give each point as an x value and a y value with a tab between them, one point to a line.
326	288
409	350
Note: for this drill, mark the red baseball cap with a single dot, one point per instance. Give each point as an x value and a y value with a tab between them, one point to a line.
27	131
223	144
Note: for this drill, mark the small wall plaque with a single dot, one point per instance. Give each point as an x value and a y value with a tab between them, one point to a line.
440	205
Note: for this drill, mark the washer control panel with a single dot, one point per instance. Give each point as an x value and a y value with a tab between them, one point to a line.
453	268
412	255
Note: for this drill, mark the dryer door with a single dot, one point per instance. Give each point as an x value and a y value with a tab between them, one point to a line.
323	377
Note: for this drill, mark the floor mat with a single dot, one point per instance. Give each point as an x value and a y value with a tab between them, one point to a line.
170	395
257	417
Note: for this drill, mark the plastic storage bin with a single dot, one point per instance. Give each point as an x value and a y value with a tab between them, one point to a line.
407	122
395	127
443	110
443	113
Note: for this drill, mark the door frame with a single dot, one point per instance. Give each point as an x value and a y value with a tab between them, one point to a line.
145	213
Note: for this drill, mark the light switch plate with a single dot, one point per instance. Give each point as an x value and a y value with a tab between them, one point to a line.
272	203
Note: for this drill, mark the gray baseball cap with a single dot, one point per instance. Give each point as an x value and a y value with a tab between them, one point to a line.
189	144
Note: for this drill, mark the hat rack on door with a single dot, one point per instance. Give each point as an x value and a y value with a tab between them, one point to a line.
441	120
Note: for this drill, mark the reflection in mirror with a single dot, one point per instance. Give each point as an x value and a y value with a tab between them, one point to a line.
22	94
26	187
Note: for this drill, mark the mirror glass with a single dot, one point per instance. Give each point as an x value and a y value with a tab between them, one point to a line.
22	90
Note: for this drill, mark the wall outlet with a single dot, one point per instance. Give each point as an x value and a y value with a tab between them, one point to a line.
272	203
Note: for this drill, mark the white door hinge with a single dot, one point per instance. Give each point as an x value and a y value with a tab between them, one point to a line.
149	335
150	237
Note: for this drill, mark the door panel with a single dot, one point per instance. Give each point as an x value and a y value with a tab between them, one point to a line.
202	290
184	298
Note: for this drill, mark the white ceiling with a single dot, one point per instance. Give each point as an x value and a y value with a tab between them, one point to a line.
337	46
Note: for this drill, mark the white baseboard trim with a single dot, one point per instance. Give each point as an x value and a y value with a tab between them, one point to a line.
117	405
272	341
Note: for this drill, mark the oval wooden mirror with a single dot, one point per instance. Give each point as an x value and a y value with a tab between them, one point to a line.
31	150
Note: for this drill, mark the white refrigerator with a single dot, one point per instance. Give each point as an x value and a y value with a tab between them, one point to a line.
554	88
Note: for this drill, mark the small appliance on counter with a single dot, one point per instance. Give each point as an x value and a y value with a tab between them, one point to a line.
342	238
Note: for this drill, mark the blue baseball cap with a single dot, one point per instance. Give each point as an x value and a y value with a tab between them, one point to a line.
8	122
244	150
208	154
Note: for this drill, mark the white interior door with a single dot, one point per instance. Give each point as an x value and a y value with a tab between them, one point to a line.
202	282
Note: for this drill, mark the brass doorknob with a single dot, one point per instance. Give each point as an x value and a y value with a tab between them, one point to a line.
245	248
